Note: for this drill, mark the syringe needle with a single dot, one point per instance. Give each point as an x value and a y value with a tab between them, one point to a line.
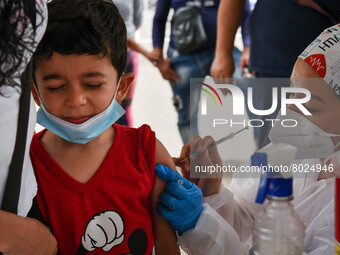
227	137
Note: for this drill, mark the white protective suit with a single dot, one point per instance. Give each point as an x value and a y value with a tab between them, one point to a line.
9	111
225	225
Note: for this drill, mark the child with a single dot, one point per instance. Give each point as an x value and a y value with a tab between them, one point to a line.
97	189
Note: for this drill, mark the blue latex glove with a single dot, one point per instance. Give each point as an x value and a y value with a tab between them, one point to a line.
181	202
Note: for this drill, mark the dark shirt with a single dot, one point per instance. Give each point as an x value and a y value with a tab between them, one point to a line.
281	29
245	23
209	16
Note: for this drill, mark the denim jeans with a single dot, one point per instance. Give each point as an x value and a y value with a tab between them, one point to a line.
195	65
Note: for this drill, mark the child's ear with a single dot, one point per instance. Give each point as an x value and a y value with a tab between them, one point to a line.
35	95
124	86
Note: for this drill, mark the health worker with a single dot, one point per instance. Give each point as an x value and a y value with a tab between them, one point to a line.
221	222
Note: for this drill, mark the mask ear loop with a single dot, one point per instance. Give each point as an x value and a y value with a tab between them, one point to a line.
36	90
120	78
328	134
328	159
334	146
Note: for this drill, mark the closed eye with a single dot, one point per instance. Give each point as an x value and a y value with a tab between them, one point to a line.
311	110
94	86
55	89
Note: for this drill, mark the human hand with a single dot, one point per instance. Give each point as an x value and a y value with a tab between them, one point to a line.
167	72
25	236
222	66
155	55
181	202
244	60
207	157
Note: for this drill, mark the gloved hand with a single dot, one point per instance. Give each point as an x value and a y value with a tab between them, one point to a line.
209	183
181	202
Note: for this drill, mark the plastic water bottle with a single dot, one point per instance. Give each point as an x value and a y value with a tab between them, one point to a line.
278	230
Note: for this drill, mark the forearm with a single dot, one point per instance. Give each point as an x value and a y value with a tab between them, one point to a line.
133	45
165	236
8	222
223	203
24	236
13	229
239	210
227	27
212	235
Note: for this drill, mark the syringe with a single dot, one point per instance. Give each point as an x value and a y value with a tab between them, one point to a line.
229	136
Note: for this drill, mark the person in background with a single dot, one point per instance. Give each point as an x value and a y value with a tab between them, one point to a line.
18	40
178	69
132	14
223	224
97	189
241	58
279	31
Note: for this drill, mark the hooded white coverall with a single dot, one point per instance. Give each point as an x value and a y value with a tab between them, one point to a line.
225	225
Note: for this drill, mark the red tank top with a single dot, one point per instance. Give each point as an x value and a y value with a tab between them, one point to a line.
111	213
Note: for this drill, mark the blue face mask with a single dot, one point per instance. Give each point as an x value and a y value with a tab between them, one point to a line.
84	132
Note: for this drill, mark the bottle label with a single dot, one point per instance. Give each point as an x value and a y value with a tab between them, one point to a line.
337	216
337	248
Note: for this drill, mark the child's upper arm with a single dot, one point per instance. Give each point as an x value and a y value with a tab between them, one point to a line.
162	157
165	236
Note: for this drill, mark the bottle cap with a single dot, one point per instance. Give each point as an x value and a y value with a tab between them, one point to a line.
271	184
280	187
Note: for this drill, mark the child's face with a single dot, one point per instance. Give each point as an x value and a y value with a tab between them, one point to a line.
324	105
76	87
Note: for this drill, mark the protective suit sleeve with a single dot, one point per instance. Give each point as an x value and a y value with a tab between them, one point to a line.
212	235
320	234
236	205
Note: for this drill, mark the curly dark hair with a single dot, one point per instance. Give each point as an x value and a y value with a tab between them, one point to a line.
15	17
92	27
